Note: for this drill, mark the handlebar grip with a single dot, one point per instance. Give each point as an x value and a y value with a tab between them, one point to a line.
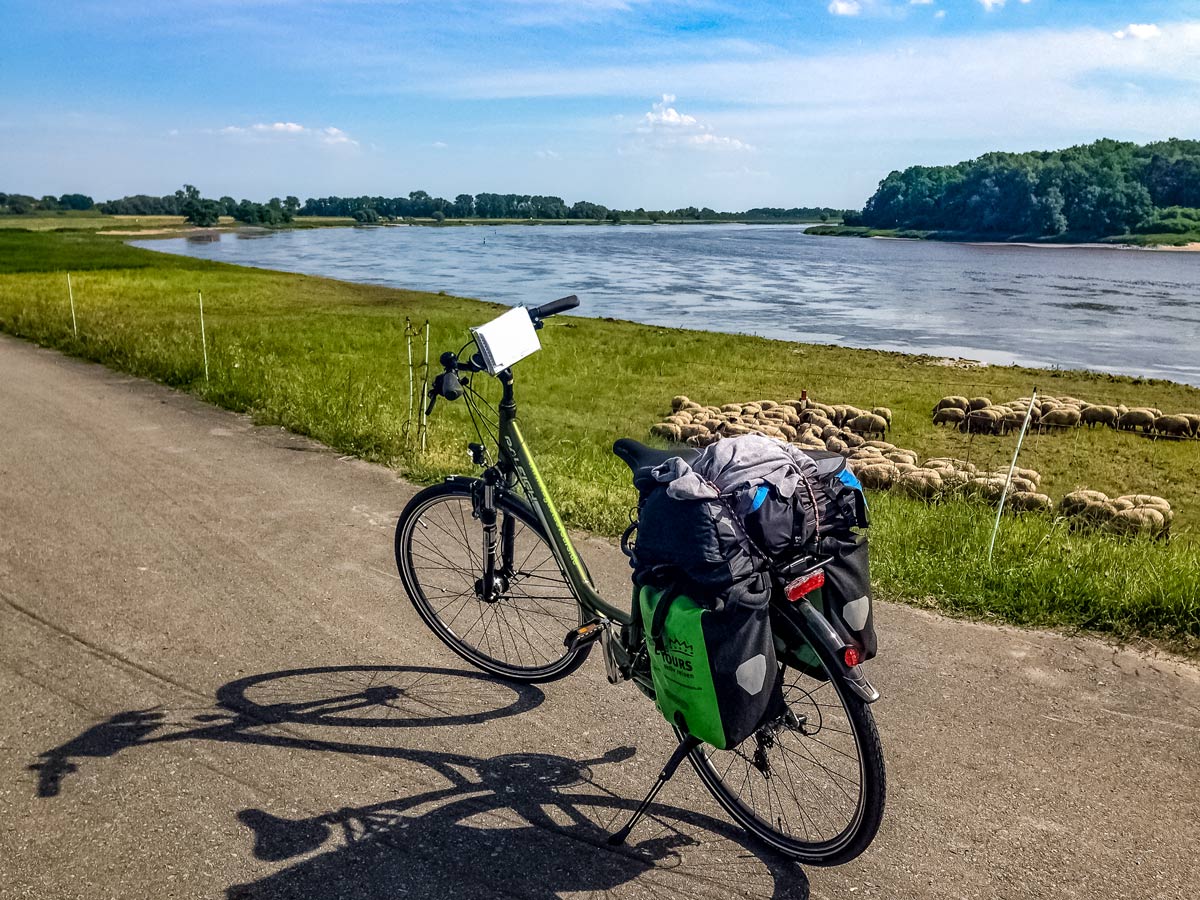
452	388
554	307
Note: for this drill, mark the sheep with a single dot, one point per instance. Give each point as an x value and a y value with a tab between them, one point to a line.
852	440
843	413
1100	415
666	430
1194	421
984	421
868	423
884	413
1029	501
1138	520
1136	418
979	403
1029	475
837	445
1062	417
877	477
924	484
949	415
678	402
1176	426
953	402
1081	501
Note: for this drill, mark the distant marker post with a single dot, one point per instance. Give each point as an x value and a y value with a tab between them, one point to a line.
203	338
71	295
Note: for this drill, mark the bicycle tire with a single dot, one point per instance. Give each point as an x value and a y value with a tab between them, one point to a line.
730	783
521	638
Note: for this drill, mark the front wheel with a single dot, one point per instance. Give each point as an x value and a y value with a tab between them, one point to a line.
809	783
517	633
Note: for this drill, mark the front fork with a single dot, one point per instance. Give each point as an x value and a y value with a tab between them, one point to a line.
497	541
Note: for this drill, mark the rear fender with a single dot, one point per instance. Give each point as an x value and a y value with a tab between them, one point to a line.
799	622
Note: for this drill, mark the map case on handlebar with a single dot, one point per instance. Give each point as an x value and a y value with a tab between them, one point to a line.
507	339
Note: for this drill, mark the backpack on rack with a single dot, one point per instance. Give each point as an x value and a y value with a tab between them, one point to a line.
708	538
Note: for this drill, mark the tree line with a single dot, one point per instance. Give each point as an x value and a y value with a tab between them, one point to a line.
189	203
1094	190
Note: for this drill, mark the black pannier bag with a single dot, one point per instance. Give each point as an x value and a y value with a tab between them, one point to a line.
709	536
714	530
703	595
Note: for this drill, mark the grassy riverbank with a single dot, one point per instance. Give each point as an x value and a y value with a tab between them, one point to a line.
328	359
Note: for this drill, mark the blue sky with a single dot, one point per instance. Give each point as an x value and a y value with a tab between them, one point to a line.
654	103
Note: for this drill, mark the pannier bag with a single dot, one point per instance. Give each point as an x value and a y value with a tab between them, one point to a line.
710	534
714	672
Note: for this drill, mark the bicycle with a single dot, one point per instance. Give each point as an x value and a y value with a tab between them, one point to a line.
491	569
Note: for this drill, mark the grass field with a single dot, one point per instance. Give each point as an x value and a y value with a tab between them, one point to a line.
328	359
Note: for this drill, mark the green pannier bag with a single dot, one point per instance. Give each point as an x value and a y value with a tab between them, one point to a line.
714	671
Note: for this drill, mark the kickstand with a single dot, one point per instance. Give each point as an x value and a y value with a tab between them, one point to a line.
686	746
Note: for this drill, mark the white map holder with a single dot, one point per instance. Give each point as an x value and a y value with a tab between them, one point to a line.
507	339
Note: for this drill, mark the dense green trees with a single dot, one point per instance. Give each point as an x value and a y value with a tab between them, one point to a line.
22	204
1093	190
199	210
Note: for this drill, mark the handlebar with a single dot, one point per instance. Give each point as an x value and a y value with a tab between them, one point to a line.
447	383
554	307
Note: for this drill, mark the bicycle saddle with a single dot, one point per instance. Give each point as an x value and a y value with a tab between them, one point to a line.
641	459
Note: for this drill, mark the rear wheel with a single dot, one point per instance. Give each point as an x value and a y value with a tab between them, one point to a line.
810	783
518	632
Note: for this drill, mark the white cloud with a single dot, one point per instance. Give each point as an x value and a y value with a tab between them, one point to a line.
665	127
919	2
439	145
940	14
708	139
290	130
547	154
663	113
989	5
845	7
1138	32
279	128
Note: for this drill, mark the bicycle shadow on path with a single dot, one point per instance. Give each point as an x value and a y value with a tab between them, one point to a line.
521	825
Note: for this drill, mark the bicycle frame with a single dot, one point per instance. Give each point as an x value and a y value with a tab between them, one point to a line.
516	466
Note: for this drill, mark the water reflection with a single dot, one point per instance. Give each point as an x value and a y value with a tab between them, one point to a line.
1131	312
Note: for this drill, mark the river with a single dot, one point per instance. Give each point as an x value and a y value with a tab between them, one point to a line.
1125	311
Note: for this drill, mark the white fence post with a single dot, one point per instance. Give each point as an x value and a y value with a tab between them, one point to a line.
1011	469
71	294
203	338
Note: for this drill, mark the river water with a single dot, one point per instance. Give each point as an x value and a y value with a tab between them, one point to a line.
1125	311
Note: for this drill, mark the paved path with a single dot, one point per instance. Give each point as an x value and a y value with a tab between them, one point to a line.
164	564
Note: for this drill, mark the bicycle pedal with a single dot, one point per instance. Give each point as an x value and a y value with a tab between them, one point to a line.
585	634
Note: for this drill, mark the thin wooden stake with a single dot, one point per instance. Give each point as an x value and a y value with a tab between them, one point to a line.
1011	469
71	294
203	338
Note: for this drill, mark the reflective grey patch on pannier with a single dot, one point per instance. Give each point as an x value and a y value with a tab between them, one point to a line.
752	674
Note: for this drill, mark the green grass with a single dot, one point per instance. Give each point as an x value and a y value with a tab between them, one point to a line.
328	359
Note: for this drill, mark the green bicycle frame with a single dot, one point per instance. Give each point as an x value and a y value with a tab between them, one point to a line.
517	464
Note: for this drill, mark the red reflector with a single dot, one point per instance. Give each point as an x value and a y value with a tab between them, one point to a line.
851	657
805	584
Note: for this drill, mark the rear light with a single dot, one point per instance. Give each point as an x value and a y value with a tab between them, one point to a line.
804	585
851	657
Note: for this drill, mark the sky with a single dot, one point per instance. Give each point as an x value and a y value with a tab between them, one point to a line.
630	103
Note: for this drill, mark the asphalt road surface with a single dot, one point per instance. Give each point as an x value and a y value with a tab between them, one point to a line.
194	612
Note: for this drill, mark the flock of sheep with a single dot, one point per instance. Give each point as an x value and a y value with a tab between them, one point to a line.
978	415
880	465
